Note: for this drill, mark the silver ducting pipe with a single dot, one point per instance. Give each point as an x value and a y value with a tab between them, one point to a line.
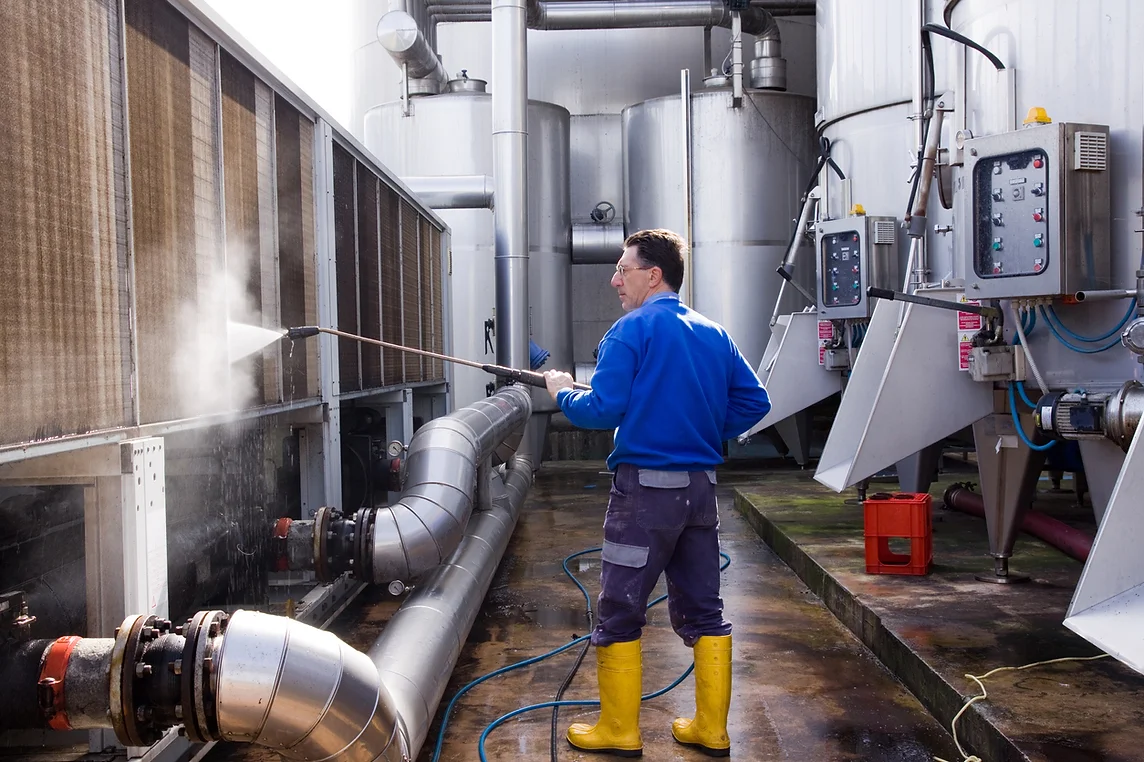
425	525
510	97
631	14
303	692
768	69
453	191
594	244
419	647
402	38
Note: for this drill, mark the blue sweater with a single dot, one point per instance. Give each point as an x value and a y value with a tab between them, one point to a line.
673	385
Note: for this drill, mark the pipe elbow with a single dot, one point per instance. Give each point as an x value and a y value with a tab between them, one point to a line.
304	693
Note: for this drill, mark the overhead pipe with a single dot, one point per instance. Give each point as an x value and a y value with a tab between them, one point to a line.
1069	540
453	191
402	37
594	244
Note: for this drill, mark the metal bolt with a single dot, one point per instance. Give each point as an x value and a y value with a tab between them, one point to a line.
163	625
972	151
117	632
142	670
179	630
176	667
144	713
208	664
147	633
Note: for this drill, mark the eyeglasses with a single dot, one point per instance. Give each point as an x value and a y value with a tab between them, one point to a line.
622	269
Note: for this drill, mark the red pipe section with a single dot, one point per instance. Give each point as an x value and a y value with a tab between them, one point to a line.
1069	540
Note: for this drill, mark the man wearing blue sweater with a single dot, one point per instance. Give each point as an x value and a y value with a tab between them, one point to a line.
674	387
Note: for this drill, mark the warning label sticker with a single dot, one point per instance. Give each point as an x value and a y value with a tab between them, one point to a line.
821	354
825	330
968	321
964	346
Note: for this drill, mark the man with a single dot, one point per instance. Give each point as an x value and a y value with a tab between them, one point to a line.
674	387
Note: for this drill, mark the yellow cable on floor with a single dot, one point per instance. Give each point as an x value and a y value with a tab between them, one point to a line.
984	695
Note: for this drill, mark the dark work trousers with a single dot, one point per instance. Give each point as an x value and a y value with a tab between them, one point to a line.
660	522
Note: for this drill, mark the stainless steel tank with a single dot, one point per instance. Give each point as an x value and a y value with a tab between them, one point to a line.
1099	82
451	134
869	59
749	167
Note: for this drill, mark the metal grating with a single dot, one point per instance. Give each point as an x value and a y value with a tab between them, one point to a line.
391	312
436	258
271	311
411	290
293	153
1091	151
345	266
369	263
249	219
65	357
165	164
430	322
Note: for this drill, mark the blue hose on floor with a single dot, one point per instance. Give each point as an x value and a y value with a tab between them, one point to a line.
527	662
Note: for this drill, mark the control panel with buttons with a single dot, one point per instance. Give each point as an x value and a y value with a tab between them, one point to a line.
855	253
1038	202
1010	222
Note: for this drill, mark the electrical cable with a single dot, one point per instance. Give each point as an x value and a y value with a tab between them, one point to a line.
1020	429
1123	322
535	659
980	680
1082	350
1029	356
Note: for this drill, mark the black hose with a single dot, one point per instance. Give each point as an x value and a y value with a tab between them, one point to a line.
568	681
927	98
956	37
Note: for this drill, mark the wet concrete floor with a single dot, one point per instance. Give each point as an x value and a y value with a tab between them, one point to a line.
936	629
804	687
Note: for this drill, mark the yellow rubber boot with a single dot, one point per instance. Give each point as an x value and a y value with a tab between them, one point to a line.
618	670
708	731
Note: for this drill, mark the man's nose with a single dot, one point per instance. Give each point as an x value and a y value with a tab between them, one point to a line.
617	281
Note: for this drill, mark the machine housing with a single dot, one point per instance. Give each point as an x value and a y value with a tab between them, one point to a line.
854	253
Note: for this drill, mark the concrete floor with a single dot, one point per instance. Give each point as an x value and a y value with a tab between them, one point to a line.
804	687
936	629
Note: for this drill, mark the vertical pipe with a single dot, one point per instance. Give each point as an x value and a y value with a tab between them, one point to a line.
736	60
918	253
685	111
510	217
707	51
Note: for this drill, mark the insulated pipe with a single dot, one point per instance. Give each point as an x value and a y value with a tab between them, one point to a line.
453	191
510	177
402	38
1069	540
632	14
419	531
594	244
419	647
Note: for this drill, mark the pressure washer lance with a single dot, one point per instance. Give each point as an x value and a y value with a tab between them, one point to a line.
529	377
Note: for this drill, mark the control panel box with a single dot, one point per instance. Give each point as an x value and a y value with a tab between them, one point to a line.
1037	211
855	253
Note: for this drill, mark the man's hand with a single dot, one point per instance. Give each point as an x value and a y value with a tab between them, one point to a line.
557	380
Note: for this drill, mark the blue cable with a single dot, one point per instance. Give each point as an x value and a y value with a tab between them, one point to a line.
1123	322
1083	350
547	704
1020	429
527	662
1025	395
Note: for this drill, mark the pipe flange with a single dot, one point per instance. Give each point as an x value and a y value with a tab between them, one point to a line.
363	528
203	633
131	722
321	526
1133	337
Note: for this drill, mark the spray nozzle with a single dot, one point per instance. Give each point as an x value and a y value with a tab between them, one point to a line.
303	332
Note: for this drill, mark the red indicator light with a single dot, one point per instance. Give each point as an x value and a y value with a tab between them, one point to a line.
1037	163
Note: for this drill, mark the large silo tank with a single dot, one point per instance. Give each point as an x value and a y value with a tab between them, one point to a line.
749	167
868	55
1099	81
451	134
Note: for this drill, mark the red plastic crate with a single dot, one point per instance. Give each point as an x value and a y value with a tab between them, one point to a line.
903	515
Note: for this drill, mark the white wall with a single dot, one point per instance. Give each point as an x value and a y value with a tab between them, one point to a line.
307	40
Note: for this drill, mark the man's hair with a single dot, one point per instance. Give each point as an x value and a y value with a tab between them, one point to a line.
663	249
